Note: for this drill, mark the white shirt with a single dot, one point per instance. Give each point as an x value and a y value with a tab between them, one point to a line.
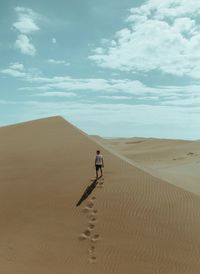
99	160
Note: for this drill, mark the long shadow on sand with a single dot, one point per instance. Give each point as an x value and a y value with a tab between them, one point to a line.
88	191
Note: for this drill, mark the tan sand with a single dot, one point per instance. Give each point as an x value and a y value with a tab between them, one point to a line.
175	161
132	222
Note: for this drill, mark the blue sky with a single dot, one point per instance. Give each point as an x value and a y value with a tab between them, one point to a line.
112	68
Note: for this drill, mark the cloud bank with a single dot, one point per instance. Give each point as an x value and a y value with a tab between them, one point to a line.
160	35
134	91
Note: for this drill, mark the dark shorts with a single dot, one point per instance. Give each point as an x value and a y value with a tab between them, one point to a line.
98	167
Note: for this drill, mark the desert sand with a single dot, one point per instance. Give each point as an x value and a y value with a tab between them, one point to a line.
131	223
175	161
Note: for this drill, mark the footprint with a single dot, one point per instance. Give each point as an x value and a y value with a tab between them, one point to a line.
91	250
93	259
91	226
90	204
190	153
95	238
82	237
87	233
86	209
93	219
92	247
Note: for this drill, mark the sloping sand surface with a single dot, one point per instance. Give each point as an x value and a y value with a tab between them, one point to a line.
131	223
175	161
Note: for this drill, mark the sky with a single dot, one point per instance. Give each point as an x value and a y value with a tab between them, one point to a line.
112	68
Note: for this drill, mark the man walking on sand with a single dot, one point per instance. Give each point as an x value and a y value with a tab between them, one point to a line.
99	163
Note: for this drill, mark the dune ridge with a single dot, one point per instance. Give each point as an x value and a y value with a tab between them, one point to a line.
132	222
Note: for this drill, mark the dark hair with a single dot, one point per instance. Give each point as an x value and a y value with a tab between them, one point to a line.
98	151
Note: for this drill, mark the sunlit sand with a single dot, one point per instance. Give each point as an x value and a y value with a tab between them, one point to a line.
130	222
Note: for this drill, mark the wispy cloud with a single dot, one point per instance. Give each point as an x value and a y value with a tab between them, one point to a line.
160	35
58	62
17	66
19	71
116	89
56	94
15	70
115	97
90	84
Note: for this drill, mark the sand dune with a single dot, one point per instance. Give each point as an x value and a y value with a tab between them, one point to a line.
175	161
131	223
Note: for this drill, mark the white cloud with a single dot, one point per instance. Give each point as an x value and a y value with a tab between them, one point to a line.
121	89
26	20
92	84
17	66
115	97
19	71
56	94
24	45
195	101
54	41
15	70
161	35
185	25
168	8
13	73
58	62
25	25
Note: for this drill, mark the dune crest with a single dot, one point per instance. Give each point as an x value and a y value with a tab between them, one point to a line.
131	223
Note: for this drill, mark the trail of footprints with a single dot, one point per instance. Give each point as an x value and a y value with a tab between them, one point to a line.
89	233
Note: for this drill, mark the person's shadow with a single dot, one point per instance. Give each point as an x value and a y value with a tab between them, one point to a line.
88	191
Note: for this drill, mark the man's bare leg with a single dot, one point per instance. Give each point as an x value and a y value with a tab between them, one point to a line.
101	171
96	174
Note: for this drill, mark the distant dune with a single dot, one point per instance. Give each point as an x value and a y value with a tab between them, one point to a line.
132	222
176	161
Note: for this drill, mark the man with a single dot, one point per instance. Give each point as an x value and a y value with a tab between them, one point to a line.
99	163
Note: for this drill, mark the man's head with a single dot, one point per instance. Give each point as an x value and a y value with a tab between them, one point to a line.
98	151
